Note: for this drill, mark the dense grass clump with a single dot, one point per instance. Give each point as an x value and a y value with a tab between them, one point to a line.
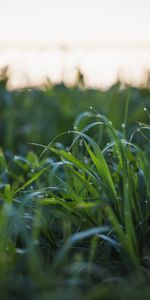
75	215
38	115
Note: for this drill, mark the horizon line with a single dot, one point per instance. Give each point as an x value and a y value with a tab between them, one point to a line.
66	46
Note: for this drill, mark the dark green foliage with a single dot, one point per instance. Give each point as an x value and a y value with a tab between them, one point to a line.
75	214
34	115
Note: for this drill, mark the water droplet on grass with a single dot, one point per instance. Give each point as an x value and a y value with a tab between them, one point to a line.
21	251
86	160
123	125
15	157
80	143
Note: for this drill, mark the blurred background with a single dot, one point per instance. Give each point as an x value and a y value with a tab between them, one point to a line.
105	39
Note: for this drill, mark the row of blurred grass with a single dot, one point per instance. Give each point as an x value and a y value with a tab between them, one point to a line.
38	115
74	215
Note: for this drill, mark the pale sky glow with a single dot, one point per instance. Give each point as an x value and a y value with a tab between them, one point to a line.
26	24
75	20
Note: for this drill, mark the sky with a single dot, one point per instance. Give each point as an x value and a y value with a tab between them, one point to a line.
32	31
75	21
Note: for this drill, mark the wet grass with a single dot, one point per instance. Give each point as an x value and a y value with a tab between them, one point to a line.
75	211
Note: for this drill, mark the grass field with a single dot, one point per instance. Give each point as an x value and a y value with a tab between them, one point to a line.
75	193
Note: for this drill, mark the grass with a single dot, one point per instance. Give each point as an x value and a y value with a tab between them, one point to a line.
75	213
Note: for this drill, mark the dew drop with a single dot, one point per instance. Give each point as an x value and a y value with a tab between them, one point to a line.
123	125
145	108
75	127
80	143
20	251
86	160
91	107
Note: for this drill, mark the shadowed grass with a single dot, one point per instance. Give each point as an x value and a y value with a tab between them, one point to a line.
75	222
